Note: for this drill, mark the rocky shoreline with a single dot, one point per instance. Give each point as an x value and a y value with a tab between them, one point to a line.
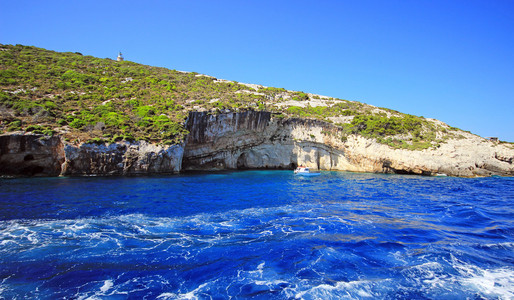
250	140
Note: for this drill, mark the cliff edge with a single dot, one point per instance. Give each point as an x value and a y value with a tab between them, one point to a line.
251	140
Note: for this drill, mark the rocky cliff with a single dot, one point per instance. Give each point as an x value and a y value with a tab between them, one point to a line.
124	158
38	155
30	155
83	98
249	140
258	140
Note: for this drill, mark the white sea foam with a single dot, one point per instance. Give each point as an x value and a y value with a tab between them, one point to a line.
107	286
494	282
75	227
3	286
360	289
457	276
192	295
505	245
166	296
183	238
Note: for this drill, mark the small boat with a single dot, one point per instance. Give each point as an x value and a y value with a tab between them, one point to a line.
305	171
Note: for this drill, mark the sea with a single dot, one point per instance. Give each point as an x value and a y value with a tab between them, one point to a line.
257	235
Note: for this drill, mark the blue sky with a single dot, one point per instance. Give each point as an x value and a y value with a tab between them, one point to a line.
449	60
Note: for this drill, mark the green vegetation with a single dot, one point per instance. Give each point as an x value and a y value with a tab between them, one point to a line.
344	108
380	126
103	99
402	131
300	96
384	125
95	100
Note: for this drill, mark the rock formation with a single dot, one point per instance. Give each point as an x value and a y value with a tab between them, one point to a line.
248	140
124	158
30	155
38	155
257	140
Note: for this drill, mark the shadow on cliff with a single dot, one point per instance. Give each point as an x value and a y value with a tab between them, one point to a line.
251	140
30	155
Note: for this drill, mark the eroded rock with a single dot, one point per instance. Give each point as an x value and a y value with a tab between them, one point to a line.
257	140
30	155
123	158
251	140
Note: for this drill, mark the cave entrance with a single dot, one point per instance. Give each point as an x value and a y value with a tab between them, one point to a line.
241	162
32	170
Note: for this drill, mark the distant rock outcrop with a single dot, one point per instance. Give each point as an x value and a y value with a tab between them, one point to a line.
252	140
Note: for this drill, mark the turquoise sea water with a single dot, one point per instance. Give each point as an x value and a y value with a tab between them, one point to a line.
259	235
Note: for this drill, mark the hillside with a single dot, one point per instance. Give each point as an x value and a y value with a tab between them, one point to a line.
88	99
66	114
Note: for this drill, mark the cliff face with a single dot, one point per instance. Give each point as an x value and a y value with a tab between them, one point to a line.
248	140
257	140
233	141
37	155
121	159
30	155
467	157
254	140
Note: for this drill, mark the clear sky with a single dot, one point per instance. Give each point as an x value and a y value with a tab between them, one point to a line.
449	60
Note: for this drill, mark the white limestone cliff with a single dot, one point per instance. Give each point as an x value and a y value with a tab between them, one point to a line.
257	140
252	140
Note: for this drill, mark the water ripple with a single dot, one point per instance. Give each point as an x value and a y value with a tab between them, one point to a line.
258	235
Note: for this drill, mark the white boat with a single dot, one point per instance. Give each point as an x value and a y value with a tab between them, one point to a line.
305	171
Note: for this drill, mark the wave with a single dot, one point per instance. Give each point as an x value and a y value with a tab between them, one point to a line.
341	246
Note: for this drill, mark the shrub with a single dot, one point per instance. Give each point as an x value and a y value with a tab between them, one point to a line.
34	128
374	126
50	105
14	125
77	123
114	119
145	111
300	96
98	141
48	131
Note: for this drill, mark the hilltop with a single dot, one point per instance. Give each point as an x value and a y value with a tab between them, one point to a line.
85	98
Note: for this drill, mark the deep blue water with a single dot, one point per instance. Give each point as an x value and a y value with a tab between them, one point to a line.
257	234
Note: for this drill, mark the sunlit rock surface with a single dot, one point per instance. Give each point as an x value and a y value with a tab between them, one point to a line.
258	140
251	140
